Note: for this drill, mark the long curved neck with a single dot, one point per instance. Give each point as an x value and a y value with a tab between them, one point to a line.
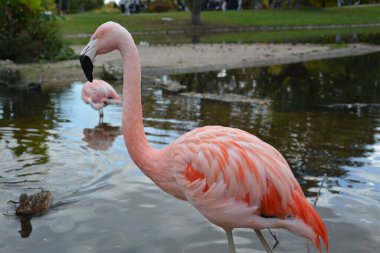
142	154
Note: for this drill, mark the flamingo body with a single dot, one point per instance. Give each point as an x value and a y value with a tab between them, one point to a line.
99	94
237	180
232	177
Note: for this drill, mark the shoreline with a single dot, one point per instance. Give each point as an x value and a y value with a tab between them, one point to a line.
161	60
190	30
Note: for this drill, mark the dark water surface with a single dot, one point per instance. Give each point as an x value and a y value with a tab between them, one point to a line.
368	35
324	118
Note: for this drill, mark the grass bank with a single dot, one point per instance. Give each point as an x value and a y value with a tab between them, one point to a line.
321	36
89	21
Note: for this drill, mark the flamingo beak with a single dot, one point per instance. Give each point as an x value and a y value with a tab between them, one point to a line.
87	57
87	66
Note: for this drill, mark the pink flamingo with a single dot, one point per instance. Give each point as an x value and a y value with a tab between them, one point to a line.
99	94
232	177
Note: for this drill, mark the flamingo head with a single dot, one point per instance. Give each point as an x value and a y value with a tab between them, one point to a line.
105	39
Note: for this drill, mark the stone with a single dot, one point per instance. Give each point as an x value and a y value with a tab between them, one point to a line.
9	74
174	87
169	85
113	71
228	97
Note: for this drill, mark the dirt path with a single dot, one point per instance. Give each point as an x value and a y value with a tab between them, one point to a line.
204	57
189	58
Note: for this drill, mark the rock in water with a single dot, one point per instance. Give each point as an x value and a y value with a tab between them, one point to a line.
9	74
113	71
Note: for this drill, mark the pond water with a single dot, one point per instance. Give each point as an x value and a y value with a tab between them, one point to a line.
324	118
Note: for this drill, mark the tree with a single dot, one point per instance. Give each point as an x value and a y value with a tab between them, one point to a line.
27	34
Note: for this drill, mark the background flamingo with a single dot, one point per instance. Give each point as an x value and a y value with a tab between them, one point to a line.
232	177
99	94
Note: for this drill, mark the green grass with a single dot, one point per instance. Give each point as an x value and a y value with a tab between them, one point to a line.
337	46
88	22
302	17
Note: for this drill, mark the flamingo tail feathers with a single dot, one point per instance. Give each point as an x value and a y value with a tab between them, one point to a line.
303	210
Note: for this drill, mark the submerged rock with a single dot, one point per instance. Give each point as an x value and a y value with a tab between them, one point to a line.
169	85
174	87
34	86
9	74
35	204
228	97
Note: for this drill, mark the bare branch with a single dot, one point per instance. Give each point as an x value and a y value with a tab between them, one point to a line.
320	188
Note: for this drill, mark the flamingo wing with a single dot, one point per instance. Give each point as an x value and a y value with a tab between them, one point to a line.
237	180
91	96
109	92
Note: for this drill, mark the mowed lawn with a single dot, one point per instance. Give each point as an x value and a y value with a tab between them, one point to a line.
87	22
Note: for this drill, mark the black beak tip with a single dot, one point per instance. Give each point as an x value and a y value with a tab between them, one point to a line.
87	66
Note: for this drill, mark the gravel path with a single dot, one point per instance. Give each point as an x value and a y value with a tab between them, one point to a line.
190	58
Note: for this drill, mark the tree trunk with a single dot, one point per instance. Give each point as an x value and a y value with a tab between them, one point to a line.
82	6
196	7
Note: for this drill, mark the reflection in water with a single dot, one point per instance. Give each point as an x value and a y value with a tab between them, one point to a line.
26	227
296	86
101	137
26	120
42	137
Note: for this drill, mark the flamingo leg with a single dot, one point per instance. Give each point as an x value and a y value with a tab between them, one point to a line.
275	239
230	239
263	241
101	115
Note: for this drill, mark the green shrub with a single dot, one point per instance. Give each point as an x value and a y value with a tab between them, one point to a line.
161	6
27	35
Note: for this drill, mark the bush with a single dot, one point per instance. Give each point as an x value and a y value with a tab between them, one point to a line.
26	35
161	6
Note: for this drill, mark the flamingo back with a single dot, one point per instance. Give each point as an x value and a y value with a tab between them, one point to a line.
98	91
